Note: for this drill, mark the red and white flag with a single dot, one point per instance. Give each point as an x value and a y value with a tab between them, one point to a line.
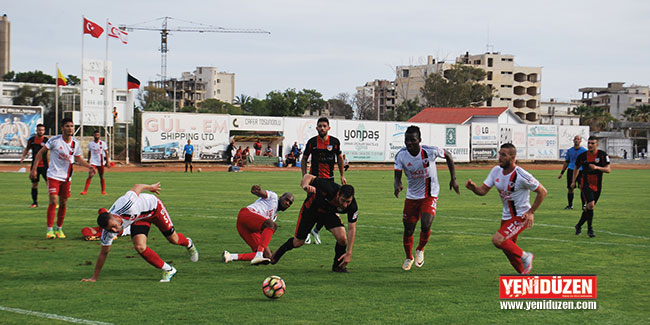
117	33
93	29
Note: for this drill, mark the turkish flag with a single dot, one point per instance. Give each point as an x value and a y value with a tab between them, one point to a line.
93	29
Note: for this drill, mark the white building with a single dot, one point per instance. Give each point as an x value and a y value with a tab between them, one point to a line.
558	112
218	85
616	97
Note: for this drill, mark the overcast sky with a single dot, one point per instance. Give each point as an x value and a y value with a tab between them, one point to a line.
333	46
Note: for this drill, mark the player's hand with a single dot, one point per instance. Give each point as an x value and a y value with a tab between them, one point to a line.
22	159
255	189
344	259
32	174
559	176
398	188
309	189
89	280
453	184
470	185
343	180
573	185
529	219
108	164
591	166
91	171
155	188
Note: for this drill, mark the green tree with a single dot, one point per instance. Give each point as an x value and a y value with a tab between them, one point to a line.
404	111
215	106
9	76
638	113
459	87
154	99
365	108
340	106
310	99
36	76
242	100
597	117
73	80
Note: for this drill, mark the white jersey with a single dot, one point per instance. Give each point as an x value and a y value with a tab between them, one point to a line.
131	207
514	189
62	157
420	171
97	152
266	207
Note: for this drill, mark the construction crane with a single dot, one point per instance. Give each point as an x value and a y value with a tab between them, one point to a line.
198	28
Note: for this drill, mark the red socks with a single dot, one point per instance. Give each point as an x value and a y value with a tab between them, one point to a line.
87	184
267	233
103	185
513	252
408	246
245	257
182	240
51	211
424	239
60	215
150	256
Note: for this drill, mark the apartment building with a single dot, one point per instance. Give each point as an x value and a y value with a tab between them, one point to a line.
383	95
559	112
616	97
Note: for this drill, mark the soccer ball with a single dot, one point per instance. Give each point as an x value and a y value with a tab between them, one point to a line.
273	287
198	170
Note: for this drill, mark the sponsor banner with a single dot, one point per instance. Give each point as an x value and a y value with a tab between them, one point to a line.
255	123
515	134
165	134
453	138
17	125
548	286
395	137
565	135
362	140
542	142
94	86
300	130
485	141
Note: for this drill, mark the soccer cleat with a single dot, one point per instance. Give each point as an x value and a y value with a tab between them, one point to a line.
60	234
407	264
167	275
568	207
527	262
260	260
316	237
419	258
92	238
578	230
308	240
225	257
34	205
103	193
83	193
591	234
50	234
194	253
340	269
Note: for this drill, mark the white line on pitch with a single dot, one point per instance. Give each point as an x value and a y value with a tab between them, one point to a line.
52	316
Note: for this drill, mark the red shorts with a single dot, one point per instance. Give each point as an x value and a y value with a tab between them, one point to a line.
249	226
160	218
100	170
512	227
414	208
57	187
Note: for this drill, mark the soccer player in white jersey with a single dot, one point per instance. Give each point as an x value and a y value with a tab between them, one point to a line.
64	151
514	185
256	225
97	152
419	164
140	210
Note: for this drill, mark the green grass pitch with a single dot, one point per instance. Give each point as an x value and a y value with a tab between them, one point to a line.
457	284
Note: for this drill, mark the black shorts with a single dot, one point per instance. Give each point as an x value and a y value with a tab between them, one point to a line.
188	158
589	195
42	171
307	220
569	177
144	230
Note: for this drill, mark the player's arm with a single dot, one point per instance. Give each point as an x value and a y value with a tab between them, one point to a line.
529	215
37	160
339	161
352	233
452	171
576	172
89	156
22	158
398	182
138	188
81	161
101	259
257	191
564	167
108	160
303	163
307	179
478	190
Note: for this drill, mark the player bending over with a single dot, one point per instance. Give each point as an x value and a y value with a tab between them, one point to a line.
95	233
256	225
325	199
139	211
514	185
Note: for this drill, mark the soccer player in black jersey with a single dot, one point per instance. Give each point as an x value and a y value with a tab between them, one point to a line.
35	143
325	151
594	163
325	200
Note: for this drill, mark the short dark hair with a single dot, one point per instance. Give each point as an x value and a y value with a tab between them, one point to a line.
323	119
96	131
102	219
66	120
510	146
593	138
346	191
414	129
39	125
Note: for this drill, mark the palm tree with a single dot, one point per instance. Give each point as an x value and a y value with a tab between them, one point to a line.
597	117
638	113
242	100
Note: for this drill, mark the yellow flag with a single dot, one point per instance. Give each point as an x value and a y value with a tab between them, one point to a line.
60	79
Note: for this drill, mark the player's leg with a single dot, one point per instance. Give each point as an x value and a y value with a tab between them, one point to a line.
503	239
315	233
139	232
410	217
340	248
590	216
587	210
90	177
306	222
64	194
268	229
163	221
34	192
249	227
569	179
100	172
427	214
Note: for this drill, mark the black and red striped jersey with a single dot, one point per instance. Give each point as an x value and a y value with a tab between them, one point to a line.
35	144
323	155
322	202
590	177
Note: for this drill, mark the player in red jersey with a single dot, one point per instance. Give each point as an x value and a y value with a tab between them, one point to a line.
97	153
64	151
419	164
594	163
140	210
514	185
256	225
35	144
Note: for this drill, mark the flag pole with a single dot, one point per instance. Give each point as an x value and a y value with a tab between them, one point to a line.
81	95
106	90
56	102
129	105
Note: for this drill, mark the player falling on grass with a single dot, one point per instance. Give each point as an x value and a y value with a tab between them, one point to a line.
140	210
64	151
256	225
325	201
419	164
594	163
514	185
325	151
95	233
35	144
97	153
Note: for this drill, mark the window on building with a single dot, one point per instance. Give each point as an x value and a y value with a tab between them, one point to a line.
218	91
405	73
561	122
215	93
571	122
490	62
218	81
489	103
477	61
489	75
506	72
120	98
215	82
